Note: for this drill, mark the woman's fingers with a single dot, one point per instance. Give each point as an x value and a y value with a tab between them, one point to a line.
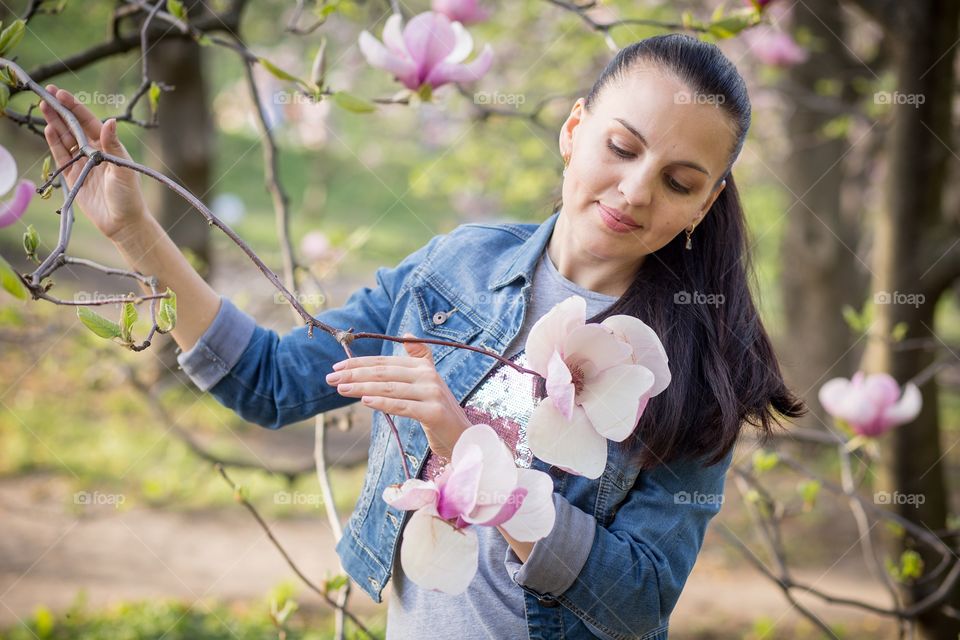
398	390
90	123
59	152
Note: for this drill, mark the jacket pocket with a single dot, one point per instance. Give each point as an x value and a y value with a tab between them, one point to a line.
441	316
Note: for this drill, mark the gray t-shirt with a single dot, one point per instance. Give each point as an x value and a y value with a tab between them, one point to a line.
492	605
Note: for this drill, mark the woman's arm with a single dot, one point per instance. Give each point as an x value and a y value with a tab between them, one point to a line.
274	381
147	248
624	579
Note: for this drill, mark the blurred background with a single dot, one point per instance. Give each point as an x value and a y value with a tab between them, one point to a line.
114	522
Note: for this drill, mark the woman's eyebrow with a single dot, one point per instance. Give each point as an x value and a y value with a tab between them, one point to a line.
685	163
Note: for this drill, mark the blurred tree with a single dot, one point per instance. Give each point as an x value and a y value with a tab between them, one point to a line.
915	257
821	235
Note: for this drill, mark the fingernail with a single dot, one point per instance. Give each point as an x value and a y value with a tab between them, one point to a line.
333	377
345	387
339	365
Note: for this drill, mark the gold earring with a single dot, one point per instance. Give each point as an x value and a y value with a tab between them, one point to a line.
566	161
689	244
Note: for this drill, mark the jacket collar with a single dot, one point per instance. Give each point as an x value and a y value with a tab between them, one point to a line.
525	256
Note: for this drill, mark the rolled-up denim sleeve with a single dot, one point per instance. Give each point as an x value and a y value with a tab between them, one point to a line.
624	579
274	381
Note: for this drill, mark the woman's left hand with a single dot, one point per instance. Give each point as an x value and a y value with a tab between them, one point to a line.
405	386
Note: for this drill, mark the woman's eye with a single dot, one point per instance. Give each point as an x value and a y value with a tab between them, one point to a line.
676	186
623	153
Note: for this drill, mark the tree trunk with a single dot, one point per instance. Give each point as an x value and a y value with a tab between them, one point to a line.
925	35
821	271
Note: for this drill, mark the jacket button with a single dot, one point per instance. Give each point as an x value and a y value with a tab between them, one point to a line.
547	602
440	317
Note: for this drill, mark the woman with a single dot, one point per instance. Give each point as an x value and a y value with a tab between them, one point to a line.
648	155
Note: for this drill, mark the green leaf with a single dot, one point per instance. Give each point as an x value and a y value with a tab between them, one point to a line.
350	102
318	72
167	313
809	490
4	96
899	331
31	240
336	582
731	25
98	324
204	40
764	460
11	36
909	569
11	282
176	8
279	73
154	97
45	172
128	316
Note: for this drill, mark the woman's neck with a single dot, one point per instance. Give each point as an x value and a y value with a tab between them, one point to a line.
586	270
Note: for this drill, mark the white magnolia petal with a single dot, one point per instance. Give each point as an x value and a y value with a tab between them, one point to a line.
646	345
463	46
841	399
499	475
559	385
377	55
437	556
412	494
536	516
907	408
393	35
593	348
572	444
612	397
8	170
549	332
459	487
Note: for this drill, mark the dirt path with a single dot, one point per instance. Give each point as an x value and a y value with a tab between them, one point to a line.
47	555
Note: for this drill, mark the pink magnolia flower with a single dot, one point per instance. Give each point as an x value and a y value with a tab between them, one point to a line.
480	486
870	404
12	209
315	246
430	50
463	11
775	47
599	378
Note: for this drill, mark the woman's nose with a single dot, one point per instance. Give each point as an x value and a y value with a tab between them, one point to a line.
637	185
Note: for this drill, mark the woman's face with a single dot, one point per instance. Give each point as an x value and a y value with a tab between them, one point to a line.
643	165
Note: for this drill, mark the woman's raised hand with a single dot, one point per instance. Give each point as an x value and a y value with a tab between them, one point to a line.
110	196
406	386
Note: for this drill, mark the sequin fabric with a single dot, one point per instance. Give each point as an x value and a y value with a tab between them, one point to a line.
504	399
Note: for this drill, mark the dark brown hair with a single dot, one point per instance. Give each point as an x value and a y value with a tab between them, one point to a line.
724	370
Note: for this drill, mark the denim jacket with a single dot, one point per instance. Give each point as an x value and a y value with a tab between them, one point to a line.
623	544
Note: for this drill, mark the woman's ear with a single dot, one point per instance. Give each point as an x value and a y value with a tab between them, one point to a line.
713	197
569	126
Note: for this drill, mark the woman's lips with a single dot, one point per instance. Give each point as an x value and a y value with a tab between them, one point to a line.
614	220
